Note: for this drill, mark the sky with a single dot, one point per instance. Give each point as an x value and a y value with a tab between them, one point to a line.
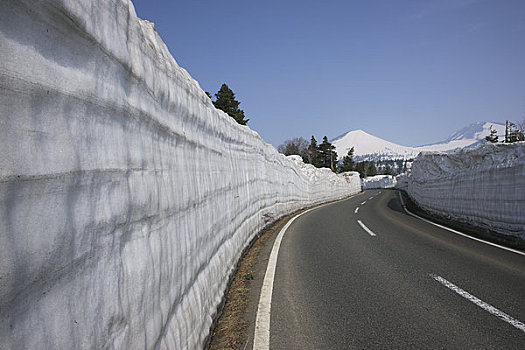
411	72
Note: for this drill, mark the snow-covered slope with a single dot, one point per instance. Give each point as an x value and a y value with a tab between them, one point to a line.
370	147
483	186
466	137
126	197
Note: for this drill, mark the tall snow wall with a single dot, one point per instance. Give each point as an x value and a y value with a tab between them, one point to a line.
484	186
126	197
378	181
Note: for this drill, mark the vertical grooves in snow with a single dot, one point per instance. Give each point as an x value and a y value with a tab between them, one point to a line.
126	197
483	186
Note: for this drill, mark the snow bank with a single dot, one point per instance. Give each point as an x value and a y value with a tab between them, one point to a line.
402	181
484	186
126	197
378	181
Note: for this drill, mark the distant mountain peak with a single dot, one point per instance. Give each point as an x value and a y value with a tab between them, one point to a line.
367	146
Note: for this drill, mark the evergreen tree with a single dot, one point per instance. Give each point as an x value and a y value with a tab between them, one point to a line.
327	155
515	134
313	152
366	168
225	101
493	137
348	161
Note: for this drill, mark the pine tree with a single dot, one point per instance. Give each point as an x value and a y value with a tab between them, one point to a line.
225	101
515	134
313	152
348	161
493	137
366	168
327	155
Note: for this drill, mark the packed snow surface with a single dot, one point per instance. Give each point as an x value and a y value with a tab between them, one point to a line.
126	197
483	186
378	181
374	148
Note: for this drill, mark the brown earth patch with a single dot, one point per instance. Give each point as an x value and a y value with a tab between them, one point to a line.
231	331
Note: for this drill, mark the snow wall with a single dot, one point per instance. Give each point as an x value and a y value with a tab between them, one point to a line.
484	186
378	181
402	181
126	197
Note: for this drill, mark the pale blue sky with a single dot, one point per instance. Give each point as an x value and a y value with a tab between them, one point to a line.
411	72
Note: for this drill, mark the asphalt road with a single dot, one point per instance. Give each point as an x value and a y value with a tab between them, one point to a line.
411	286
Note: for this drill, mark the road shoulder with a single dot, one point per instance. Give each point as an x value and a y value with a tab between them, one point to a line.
235	326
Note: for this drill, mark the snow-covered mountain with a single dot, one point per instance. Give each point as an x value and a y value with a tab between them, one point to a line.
370	147
466	137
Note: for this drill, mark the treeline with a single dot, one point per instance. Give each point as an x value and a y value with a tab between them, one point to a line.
319	155
513	133
324	156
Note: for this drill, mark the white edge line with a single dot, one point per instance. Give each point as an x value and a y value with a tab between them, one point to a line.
261	339
487	307
356	210
366	228
457	232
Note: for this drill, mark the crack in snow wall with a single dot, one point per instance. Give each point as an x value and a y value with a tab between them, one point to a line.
126	197
484	186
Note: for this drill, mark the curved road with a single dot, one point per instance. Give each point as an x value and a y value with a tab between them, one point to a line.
396	283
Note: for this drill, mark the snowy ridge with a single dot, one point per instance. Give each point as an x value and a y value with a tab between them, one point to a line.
483	186
370	147
476	131
127	196
366	145
467	137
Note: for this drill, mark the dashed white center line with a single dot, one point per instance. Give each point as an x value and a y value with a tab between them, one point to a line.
363	202
487	307
356	210
365	228
370	198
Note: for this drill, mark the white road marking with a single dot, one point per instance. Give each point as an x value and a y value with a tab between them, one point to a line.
363	202
365	228
457	232
261	338
356	210
379	192
370	198
487	307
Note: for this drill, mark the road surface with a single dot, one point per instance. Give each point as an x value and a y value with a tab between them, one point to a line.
363	274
